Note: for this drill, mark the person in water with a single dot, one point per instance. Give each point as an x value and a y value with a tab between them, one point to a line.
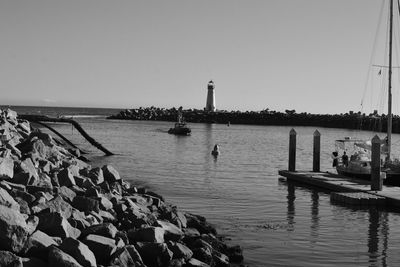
345	159
215	151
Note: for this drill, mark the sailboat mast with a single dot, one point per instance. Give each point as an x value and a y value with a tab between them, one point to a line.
389	123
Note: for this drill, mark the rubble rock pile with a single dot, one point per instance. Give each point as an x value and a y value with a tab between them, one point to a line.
56	210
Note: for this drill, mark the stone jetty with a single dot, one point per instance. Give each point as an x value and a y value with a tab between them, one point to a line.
57	210
350	120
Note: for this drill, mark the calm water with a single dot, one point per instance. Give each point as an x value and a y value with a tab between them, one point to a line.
276	223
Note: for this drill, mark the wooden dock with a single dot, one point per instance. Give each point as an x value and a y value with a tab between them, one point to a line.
341	184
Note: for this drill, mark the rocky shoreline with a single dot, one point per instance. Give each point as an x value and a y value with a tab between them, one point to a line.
350	120
57	210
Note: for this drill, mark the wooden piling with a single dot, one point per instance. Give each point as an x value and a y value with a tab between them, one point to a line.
292	150
376	180
316	151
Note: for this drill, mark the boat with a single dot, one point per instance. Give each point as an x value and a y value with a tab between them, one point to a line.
359	163
180	127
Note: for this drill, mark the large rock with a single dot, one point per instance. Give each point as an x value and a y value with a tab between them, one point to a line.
55	224
196	263
85	204
172	232
7	200
96	175
102	247
38	244
66	178
134	255
122	258
81	253
180	250
6	168
66	193
58	258
110	174
149	234
26	173
104	229
56	204
13	229
154	254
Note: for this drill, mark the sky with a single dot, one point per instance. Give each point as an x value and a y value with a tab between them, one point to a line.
308	55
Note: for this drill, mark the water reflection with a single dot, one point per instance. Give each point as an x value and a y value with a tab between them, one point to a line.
290	206
376	233
314	216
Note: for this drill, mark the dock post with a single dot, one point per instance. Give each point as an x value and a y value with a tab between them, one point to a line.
376	180
292	150
316	151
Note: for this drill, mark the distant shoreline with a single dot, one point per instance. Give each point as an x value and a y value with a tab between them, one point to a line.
351	120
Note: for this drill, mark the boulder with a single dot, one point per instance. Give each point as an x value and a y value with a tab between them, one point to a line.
25	173
105	204
65	178
110	174
85	204
148	234
33	262
104	229
134	255
200	223
23	206
102	247
29	198
204	254
122	258
154	254
220	260
7	200
32	223
61	259
56	204
172	232
9	259
38	244
13	229
196	263
180	250
6	168
81	253
55	224
66	193
96	175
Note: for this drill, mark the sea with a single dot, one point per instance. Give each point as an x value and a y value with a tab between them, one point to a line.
277	223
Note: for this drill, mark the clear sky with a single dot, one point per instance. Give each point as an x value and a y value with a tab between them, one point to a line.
307	55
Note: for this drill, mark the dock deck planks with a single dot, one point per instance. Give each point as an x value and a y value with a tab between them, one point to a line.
336	183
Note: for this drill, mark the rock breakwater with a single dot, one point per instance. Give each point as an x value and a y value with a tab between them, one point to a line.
350	120
57	210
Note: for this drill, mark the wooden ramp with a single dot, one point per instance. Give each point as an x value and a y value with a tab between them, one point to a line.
337	183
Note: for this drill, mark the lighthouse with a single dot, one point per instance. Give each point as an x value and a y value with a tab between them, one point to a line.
210	105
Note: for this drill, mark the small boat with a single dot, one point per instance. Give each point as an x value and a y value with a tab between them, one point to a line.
180	127
215	151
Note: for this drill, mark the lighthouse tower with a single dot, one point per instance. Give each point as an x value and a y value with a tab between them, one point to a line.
210	105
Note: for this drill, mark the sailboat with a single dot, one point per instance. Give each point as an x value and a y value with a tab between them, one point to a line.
358	165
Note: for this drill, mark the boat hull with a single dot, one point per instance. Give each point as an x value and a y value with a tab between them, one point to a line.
392	178
179	131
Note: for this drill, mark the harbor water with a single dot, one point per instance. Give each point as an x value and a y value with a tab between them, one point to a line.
276	223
